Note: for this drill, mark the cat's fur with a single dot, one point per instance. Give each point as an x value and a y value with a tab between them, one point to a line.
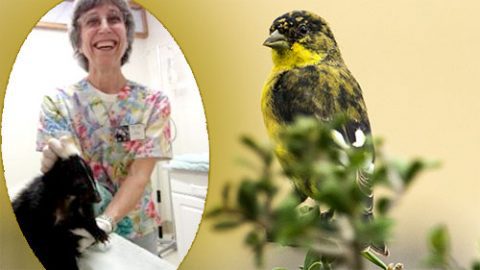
55	205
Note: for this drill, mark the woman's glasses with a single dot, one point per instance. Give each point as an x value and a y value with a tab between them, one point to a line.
93	20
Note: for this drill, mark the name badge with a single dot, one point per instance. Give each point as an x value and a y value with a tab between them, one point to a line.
130	133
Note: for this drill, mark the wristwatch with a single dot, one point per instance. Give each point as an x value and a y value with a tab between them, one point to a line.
109	220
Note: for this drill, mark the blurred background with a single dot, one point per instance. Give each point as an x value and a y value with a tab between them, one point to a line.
417	62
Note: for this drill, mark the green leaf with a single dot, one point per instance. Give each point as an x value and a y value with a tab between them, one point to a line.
256	241
413	169
248	200
312	260
380	175
439	247
439	240
383	205
226	193
377	230
252	239
374	259
410	170
215	212
476	265
265	185
289	224
226	225
264	153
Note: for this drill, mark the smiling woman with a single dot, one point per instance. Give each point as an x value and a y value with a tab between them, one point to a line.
122	127
99	27
94	109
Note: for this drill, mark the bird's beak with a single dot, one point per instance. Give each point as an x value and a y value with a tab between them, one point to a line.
276	41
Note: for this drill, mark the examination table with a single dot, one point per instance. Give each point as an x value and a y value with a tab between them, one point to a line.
121	254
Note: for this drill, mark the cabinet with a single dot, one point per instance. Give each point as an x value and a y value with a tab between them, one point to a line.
189	190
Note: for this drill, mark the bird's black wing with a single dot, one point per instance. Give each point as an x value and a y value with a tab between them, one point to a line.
293	94
324	92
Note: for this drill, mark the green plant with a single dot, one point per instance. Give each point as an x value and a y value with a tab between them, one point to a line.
331	228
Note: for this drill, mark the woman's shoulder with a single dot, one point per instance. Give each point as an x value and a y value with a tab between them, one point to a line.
145	91
67	91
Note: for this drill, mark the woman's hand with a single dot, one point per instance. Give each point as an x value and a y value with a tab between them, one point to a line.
56	148
48	155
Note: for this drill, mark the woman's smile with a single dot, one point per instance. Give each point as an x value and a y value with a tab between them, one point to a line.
105	45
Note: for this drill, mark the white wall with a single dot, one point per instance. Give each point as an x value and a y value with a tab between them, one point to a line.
163	54
46	61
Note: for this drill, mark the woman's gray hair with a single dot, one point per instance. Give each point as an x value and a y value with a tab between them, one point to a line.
82	6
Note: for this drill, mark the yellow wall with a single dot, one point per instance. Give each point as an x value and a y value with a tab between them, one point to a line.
418	63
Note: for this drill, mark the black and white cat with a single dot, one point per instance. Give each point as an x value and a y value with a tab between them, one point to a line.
55	213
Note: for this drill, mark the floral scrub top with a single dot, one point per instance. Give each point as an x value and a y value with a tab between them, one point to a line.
111	135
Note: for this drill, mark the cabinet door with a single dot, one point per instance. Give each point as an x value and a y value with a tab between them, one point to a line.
187	213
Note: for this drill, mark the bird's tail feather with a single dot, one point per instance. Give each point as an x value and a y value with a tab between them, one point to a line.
379	248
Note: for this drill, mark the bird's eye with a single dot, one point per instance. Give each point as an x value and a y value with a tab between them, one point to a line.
273	28
303	29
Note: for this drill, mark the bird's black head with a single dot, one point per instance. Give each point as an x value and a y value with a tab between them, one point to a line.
303	28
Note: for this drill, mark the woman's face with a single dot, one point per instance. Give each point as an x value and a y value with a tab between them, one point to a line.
103	36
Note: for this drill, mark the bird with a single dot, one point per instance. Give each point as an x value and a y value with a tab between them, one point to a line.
309	78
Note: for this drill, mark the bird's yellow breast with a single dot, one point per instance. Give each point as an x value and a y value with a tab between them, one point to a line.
271	122
296	56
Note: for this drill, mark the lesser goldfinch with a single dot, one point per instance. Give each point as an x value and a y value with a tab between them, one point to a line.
310	78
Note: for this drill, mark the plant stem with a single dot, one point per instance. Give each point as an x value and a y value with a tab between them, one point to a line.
357	256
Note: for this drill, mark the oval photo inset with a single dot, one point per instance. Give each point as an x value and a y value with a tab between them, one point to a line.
123	120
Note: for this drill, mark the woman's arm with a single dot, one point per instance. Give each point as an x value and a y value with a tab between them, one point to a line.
132	188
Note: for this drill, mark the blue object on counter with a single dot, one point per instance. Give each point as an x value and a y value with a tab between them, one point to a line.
190	162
